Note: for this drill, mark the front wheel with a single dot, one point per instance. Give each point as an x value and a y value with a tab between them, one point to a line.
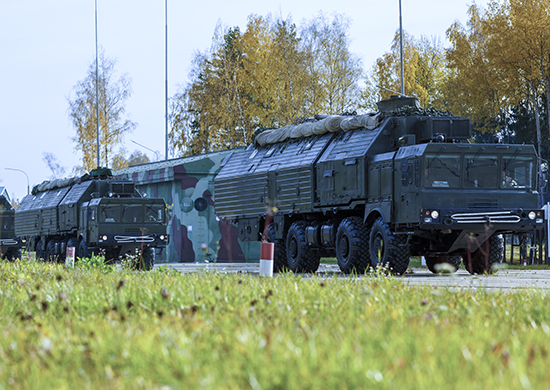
490	253
13	254
147	259
83	251
300	257
387	249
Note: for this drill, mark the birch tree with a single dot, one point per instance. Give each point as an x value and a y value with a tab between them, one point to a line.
113	93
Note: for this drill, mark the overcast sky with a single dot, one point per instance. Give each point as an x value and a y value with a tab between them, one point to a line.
46	47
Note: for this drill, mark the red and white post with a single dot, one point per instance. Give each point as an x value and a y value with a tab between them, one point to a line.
69	257
266	259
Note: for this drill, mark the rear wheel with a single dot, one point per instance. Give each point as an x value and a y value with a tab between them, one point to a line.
50	252
453	260
40	250
300	257
352	245
490	253
280	262
387	249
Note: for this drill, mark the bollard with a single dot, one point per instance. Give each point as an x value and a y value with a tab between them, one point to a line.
69	258
266	259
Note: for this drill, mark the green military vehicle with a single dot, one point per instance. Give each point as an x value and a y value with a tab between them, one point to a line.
95	214
377	189
10	245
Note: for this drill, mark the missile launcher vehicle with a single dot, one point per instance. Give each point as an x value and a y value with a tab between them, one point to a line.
377	189
95	214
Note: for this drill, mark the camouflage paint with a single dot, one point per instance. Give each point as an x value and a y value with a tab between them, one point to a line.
181	182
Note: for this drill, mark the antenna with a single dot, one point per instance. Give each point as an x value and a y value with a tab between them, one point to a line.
392	91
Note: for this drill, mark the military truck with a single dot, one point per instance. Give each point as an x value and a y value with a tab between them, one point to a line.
10	245
377	189
95	214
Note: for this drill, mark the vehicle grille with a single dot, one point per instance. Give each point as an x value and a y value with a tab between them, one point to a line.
489	217
482	203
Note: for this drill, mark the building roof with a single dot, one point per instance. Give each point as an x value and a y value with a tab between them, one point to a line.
4	193
174	169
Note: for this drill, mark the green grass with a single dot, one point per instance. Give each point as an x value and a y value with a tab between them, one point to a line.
87	328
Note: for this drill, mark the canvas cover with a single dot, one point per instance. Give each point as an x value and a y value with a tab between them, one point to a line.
330	123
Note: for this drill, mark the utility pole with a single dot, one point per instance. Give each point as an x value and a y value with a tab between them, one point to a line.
401	49
96	86
166	80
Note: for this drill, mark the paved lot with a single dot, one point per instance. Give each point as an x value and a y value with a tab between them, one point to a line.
502	280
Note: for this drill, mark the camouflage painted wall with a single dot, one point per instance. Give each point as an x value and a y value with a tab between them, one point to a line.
187	186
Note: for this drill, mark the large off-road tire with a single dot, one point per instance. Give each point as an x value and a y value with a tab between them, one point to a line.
453	260
16	254
50	252
40	250
352	245
300	256
12	254
490	253
147	259
82	251
280	262
387	249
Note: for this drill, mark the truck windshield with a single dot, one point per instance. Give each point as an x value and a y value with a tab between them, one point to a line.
5	222
132	213
517	172
442	171
154	213
480	171
109	213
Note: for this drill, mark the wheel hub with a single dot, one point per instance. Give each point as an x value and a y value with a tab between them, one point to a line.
344	246
379	247
293	248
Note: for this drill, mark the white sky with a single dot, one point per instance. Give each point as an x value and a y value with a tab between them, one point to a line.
46	47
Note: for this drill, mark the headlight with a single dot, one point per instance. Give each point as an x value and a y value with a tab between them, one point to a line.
435	214
532	215
104	238
162	236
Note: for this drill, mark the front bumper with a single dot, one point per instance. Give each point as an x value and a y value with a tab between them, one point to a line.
149	239
10	243
518	220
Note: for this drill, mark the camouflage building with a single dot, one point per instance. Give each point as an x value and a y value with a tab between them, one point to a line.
187	186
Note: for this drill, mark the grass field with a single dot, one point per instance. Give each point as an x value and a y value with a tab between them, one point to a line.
94	327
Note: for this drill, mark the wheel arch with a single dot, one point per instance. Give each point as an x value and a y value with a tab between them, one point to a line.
372	215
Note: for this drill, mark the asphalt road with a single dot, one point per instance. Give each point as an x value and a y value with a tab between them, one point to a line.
502	280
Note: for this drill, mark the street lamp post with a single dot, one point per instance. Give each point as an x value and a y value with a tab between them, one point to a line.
145	147
19	170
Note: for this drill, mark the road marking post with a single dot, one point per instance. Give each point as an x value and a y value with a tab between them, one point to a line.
69	258
266	259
